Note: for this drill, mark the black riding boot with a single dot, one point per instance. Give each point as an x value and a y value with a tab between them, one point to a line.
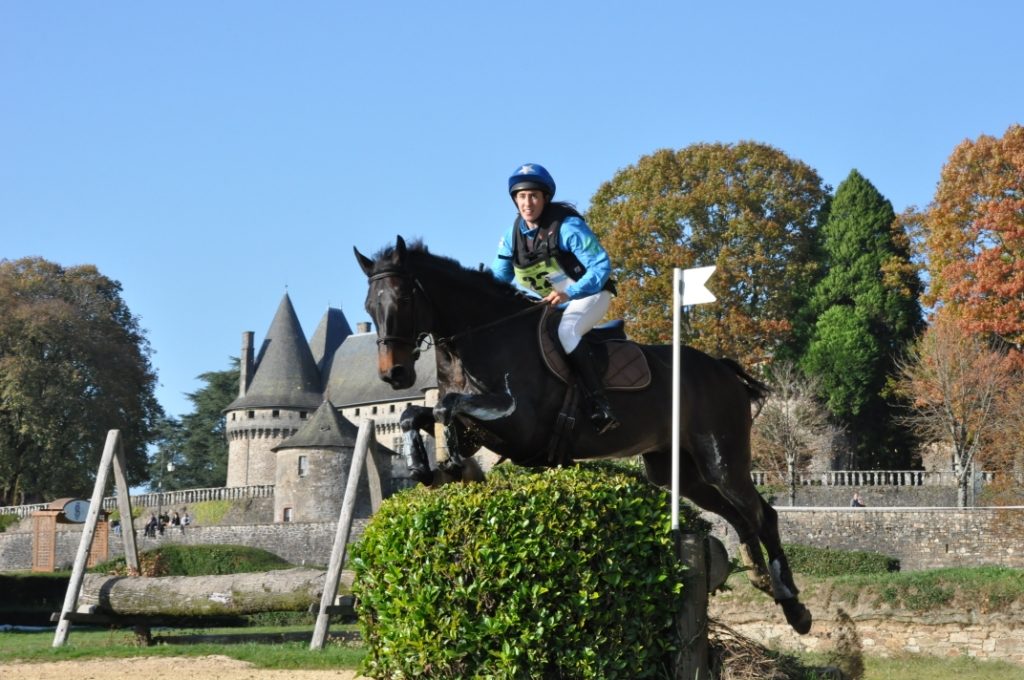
600	411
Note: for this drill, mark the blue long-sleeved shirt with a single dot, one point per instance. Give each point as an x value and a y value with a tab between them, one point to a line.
575	237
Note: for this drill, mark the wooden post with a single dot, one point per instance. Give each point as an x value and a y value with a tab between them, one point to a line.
113	451
691	661
363	442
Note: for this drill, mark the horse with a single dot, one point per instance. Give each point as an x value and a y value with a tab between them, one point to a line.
498	390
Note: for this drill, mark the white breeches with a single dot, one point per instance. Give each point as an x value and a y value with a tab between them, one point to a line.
580	316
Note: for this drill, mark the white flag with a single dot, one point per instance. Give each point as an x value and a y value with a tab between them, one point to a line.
694	292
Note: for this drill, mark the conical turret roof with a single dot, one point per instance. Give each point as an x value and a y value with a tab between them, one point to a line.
327	337
285	374
326	429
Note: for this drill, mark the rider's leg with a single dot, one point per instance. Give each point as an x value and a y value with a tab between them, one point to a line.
579	317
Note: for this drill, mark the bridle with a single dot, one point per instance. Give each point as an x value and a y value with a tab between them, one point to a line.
413	342
445	341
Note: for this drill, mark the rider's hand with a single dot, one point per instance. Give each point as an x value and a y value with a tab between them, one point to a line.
556	298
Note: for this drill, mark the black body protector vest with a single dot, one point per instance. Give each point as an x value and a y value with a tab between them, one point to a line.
539	263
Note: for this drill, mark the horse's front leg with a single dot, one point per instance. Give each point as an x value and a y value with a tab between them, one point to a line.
412	420
485	406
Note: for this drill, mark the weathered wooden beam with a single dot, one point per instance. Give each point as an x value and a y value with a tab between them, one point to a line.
229	594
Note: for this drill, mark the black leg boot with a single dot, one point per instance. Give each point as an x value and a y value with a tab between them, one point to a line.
601	415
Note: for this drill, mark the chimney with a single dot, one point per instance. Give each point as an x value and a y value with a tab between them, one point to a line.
245	365
363	327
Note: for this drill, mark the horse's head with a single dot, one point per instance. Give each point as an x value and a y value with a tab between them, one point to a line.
400	312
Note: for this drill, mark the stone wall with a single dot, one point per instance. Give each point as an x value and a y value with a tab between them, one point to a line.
885	630
922	538
305	544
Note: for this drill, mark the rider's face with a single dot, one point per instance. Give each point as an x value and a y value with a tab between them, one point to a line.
530	203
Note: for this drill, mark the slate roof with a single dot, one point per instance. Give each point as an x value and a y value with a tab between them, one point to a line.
353	378
325	429
328	336
285	374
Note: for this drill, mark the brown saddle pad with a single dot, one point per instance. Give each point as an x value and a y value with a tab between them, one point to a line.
621	363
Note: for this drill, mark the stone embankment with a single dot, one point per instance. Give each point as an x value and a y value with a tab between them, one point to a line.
958	628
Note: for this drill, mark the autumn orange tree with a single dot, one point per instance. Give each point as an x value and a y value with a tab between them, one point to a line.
747	208
956	383
974	236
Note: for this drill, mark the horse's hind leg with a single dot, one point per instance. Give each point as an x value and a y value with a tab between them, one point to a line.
719	465
658	468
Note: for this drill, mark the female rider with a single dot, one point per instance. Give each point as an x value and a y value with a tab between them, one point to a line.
550	250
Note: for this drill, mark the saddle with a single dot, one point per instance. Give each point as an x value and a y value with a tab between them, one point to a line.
620	362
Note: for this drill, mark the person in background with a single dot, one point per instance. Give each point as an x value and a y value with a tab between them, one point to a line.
151	526
856	502
550	250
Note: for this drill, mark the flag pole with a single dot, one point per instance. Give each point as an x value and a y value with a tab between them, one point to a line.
677	303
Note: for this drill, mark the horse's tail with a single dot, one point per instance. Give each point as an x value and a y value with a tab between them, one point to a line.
757	391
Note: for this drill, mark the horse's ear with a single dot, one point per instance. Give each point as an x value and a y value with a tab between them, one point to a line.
400	248
365	263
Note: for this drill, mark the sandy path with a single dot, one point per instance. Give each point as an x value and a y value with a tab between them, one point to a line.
161	668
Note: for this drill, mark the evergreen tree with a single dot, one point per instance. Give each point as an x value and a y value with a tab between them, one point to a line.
867	312
196	443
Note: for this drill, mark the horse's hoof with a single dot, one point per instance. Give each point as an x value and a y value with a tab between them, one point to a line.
797	615
452	468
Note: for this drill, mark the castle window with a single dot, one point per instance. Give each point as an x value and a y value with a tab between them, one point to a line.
356	412
250	414
374	411
392	408
302	415
303	466
286	516
275	413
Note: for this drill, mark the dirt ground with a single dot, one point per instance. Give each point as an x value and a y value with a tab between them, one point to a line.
162	668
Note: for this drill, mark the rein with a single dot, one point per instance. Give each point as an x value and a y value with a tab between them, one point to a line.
522	312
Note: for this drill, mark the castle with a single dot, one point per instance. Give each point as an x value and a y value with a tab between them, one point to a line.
298	409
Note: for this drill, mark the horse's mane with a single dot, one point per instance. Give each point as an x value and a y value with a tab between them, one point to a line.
420	259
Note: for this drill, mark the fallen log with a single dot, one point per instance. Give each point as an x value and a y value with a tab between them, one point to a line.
228	594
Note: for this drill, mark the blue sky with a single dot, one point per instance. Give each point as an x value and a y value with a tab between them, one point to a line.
211	156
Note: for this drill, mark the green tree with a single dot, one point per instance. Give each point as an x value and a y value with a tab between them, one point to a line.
74	364
748	209
196	444
867	314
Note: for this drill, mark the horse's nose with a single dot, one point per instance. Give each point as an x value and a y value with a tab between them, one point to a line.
396	376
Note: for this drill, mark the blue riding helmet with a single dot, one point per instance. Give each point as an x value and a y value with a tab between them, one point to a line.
531	176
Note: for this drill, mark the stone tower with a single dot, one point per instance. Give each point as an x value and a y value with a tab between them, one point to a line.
278	391
313	468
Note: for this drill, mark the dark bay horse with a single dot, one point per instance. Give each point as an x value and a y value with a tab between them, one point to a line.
498	391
